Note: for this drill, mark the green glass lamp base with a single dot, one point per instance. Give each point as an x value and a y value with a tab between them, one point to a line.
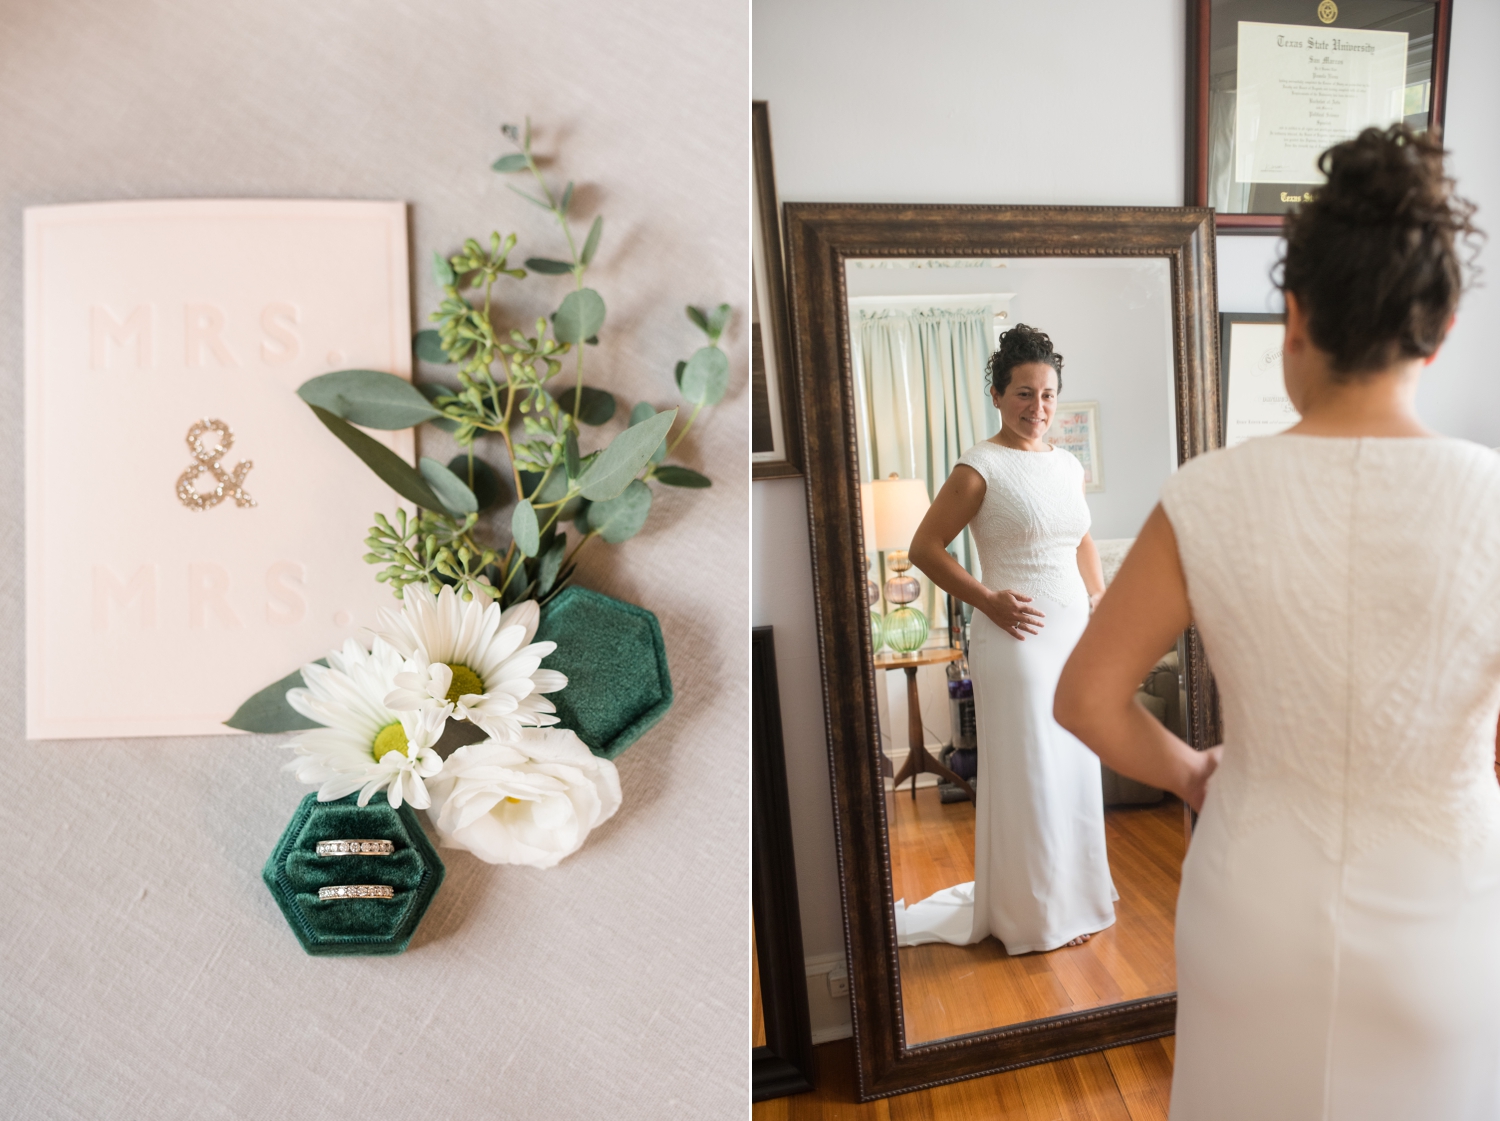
905	629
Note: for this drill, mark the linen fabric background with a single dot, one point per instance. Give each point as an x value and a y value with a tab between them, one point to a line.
145	971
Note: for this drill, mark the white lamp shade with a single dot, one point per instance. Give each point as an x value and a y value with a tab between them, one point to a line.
900	505
867	515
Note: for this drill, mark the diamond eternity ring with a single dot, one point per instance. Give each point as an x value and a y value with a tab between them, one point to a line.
355	848
356	891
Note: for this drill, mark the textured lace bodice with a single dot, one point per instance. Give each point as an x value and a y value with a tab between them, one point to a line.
1033	516
1348	596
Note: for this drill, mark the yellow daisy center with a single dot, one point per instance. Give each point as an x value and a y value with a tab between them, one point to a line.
465	681
390	738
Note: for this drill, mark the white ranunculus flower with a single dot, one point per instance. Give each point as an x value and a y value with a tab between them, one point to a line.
363	745
531	801
471	661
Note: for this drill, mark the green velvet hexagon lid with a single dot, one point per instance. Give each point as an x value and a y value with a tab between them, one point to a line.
616	662
295	872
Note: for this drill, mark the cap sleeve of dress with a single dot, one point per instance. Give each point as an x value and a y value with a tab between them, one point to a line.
1195	501
978	458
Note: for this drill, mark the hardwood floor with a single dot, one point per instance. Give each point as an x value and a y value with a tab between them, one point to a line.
1124	1084
757	1013
951	990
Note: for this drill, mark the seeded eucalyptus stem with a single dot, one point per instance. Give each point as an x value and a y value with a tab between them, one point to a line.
502	390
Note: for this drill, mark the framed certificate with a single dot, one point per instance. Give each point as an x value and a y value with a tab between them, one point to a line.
1254	393
1274	83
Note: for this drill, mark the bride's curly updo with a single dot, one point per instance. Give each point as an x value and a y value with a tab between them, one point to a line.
1373	258
1018	346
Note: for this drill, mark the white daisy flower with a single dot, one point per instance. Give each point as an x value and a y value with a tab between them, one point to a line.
363	745
470	661
531	801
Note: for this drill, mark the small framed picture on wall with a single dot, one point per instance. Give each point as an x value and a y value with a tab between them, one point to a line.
1254	392
1075	429
1272	84
775	428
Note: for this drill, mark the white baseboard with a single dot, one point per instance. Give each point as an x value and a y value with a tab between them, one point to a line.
829	1015
897	756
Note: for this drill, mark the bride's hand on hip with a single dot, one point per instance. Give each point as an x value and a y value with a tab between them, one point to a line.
1204	766
1012	613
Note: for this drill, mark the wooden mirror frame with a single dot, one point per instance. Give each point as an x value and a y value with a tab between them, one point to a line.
821	237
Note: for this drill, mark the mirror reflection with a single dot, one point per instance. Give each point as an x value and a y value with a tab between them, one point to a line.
1015	423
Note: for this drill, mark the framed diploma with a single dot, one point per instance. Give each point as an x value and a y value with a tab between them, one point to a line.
1254	394
1274	83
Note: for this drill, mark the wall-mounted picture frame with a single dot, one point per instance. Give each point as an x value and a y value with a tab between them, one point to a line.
1254	393
1271	84
1075	429
775	426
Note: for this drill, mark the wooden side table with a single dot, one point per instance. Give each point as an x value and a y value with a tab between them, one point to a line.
919	759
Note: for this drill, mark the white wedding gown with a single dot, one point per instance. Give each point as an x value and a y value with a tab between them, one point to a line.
1338	926
1041	874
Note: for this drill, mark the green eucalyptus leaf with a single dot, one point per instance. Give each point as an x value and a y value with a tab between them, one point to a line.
432	391
514	162
428	346
581	519
524	528
368	398
580	315
549	566
554	488
619	463
454	493
681	477
642	412
530	198
718	319
596	406
698	318
397	474
488	487
620	518
591	245
547	266
268	711
706	377
442	271
680	367
567	198
592	340
570	453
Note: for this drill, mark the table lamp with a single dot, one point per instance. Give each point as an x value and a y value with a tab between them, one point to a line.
872	589
900	504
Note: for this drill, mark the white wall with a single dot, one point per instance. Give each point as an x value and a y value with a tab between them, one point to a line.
1009	101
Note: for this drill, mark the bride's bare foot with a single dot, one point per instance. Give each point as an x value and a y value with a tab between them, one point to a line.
1079	941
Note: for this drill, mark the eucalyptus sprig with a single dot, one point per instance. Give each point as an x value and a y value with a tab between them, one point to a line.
504	377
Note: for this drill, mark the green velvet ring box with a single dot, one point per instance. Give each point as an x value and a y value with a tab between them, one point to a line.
616	662
295	872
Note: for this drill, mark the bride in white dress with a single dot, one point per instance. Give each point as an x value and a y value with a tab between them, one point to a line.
1338	925
1041	874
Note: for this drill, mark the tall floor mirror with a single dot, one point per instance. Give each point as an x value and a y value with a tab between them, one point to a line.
959	885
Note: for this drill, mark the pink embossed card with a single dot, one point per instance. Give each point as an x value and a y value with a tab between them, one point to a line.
169	577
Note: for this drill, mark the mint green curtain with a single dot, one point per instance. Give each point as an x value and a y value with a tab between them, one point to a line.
920	404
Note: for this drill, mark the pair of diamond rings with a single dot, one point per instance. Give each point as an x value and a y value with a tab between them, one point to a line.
361	847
